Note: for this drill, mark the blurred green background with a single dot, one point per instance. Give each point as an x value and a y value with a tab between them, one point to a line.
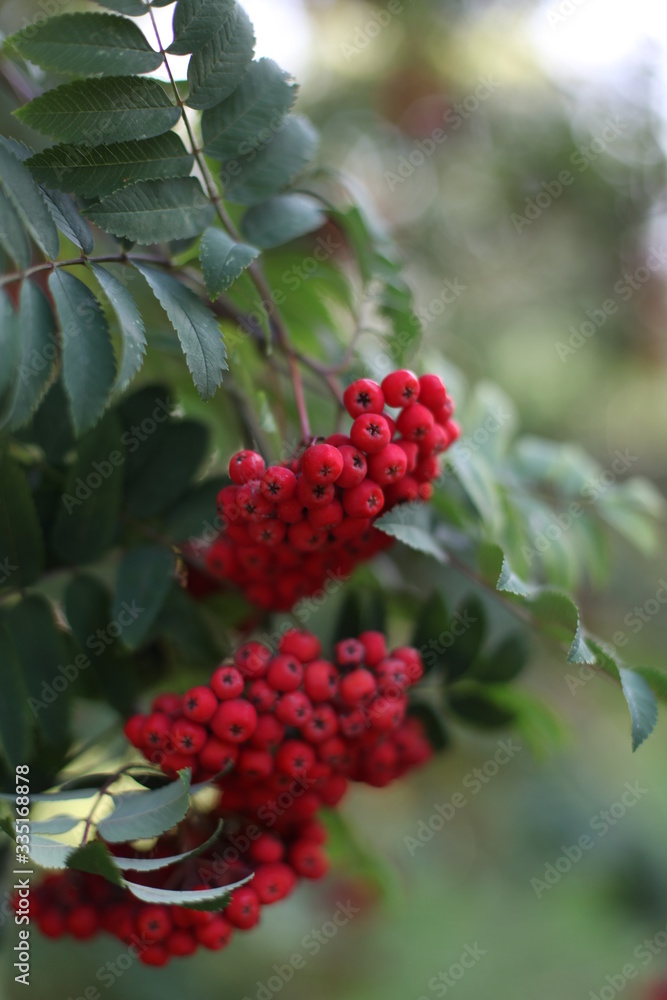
462	120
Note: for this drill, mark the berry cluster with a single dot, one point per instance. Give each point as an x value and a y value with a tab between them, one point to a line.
81	905
266	719
289	526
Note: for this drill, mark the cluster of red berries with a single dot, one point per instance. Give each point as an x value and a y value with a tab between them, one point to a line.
289	526
267	718
81	905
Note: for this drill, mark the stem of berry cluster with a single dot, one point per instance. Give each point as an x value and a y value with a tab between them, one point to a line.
276	321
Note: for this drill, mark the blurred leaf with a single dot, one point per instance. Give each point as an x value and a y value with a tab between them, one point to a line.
15	738
478	707
433	723
194	514
95	858
21	547
465	633
168	469
13	239
223	260
431	623
181	620
132	8
504	662
274	165
282	219
54	825
409	524
642	705
558	616
475	475
138	815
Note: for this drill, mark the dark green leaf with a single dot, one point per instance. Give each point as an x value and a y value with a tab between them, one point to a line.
246	119
10	354
430	630
349	619
464	637
87	45
503	663
96	171
282	219
168	470
102	111
147	814
28	202
51	427
196	21
155	211
182	622
193	899
194	514
88	514
432	722
223	260
14	729
145	416
273	166
131	324
558	616
13	239
96	859
89	366
21	549
479	708
69	220
197	329
218	67
144	578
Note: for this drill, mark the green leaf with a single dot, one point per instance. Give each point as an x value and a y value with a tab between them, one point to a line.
409	524
192	514
642	704
89	366
656	679
51	428
216	69
349	619
147	814
193	899
10	352
431	624
197	329
87	45
132	8
96	171
13	239
433	724
49	853
182	621
136	864
14	729
240	123
68	219
88	515
95	858
537	724
223	260
478	707
21	548
464	637
155	211
477	479
558	616
282	219
130	322
55	824
144	579
273	166
102	111
28	202
503	663
196	21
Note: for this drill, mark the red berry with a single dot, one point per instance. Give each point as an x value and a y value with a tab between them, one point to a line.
270	732
294	708
254	764
267	849
52	923
252	504
200	704
156	730
235	721
400	388
155	954
243	909
308	859
168	703
321	724
432	392
354	467
181	943
370	433
216	934
364	500
305	537
134	728
453	431
189	737
388	465
320	680
349	652
153	923
295	758
216	756
262	695
357	686
303	645
278	483
322	463
363	396
82	922
411	449
252	659
272	882
268	532
244	466
411	657
314	494
291	511
415	422
285	673
324	518
227	682
375	647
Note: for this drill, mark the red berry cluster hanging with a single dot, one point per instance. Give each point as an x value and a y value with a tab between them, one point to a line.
277	854
289	526
271	718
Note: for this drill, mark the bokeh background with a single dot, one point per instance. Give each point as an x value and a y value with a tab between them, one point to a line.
459	121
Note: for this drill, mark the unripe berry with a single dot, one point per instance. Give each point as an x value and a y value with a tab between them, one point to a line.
400	388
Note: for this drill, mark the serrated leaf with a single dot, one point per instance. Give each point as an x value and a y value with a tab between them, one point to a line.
154	211
131	325
89	366
69	220
281	219
21	547
98	112
95	858
195	21
143	581
197	329
558	615
138	815
223	260
14	729
97	171
49	853
193	899
477	479
132	8
216	69
239	124
28	202
13	239
409	524
642	704
55	824
275	164
87	44
656	679
155	864
88	514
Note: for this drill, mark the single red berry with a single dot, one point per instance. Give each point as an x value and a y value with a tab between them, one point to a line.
216	934
285	673
322	463
337	440
267	532
404	491
252	504
156	955
320	680
294	708
432	392
278	483
252	659
235	721
227	682
314	831
335	751
303	645
453	431
153	923
387	712
375	647
254	764
354	467
314	494
325	518
134	729
244	466
262	695
270	731
168	703
305	537
295	758
173	762
415	422
392	674
308	859
216	756
400	388
363	396
272	882
434	443
82	922
200	703
243	908
332	790
188	737
157	727
364	500
349	652
181	942
370	433
357	686
267	849
388	466
321	724
411	449
52	923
